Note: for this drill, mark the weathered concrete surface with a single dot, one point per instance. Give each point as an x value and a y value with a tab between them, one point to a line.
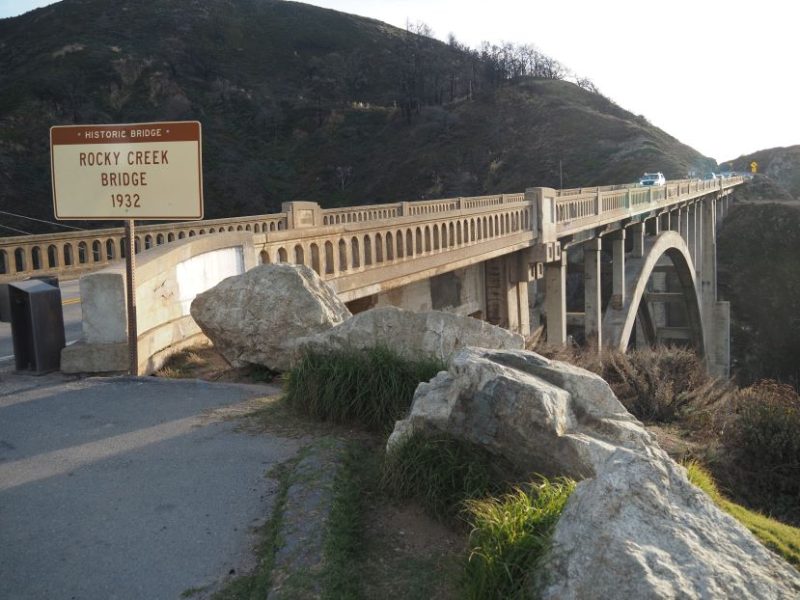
258	317
167	279
127	488
634	528
410	334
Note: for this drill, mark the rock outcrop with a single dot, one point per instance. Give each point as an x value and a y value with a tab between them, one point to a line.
257	317
634	528
411	334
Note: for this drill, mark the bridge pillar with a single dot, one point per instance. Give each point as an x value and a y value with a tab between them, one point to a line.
506	281
302	214
692	240
637	231
618	269
555	300
653	225
716	315
593	306
684	228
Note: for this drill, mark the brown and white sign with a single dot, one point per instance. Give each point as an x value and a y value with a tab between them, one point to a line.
136	171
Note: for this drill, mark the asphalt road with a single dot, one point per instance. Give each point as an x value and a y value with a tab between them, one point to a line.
127	488
70	300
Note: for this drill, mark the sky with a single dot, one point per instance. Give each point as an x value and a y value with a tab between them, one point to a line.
720	76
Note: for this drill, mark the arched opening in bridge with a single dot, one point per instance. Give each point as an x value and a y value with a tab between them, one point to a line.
282	257
110	249
451	238
148	242
299	255
355	253
52	256
181	235
399	241
418	236
342	256
36	258
378	248
170	237
97	251
159	239
435	237
192	233
315	259
389	246
83	253
19	260
329	268
68	258
264	256
3	262
367	251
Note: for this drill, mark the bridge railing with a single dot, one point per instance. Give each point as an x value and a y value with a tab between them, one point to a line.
81	251
576	209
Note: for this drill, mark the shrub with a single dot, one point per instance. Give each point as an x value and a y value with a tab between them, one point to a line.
662	385
372	387
510	535
439	471
764	441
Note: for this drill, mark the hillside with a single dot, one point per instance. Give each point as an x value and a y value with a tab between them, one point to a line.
299	102
779	166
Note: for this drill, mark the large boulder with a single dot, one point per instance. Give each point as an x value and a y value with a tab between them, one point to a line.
412	334
634	528
639	529
258	316
543	416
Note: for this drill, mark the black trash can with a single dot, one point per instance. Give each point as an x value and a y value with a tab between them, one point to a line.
37	325
5	306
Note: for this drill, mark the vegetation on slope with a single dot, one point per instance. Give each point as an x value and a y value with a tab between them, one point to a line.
780	165
778	537
299	102
759	272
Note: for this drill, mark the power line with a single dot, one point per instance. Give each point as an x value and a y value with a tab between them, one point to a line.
17	230
40	220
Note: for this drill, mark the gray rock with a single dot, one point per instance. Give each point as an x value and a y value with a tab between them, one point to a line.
543	416
640	530
411	334
634	528
257	317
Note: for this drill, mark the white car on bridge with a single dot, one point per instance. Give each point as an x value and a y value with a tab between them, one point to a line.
653	179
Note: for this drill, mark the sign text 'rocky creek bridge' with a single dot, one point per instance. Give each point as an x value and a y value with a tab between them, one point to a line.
502	258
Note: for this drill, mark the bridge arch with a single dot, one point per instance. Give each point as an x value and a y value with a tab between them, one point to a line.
619	321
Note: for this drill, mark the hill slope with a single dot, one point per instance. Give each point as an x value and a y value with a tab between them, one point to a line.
780	166
299	102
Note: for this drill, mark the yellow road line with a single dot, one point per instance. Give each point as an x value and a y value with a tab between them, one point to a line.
70	301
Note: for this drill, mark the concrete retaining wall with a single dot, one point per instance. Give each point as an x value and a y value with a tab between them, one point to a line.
167	280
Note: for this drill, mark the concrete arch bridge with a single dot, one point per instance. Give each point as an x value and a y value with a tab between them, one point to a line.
614	265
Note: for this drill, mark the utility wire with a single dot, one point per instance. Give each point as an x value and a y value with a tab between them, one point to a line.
40	220
17	230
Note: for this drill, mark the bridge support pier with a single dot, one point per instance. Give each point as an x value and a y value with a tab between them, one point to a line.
555	300
716	315
506	280
593	302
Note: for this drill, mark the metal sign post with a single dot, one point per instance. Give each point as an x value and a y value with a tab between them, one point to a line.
130	287
145	171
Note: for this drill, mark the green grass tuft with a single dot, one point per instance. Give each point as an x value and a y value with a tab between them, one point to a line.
372	388
782	539
510	535
439	471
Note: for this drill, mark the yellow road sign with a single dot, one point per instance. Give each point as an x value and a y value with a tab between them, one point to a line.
754	167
